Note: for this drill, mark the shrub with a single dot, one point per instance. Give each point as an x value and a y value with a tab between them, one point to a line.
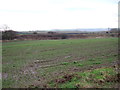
34	32
8	35
64	36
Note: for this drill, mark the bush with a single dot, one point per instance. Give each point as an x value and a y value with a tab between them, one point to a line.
8	35
34	32
64	36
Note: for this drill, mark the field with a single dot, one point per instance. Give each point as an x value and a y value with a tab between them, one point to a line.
69	63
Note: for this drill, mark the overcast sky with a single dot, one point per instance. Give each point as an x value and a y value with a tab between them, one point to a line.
58	14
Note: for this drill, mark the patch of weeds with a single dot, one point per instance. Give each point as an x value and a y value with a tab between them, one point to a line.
89	79
96	62
80	65
52	83
103	55
68	85
115	55
13	65
65	63
89	62
76	78
7	83
43	74
65	78
84	85
75	62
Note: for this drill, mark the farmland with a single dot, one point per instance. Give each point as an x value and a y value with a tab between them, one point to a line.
68	63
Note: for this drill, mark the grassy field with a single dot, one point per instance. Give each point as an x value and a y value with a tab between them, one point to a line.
75	63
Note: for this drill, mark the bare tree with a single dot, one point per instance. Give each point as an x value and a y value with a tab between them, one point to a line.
4	27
